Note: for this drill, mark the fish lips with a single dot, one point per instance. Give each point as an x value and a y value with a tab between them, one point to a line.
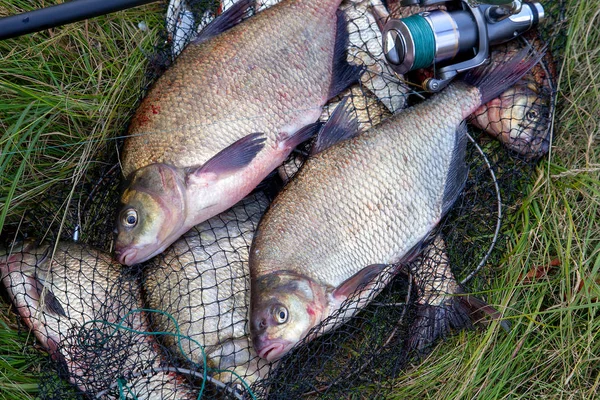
271	349
133	254
529	148
127	255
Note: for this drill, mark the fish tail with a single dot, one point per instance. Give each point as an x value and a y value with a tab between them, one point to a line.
344	74
433	322
479	310
492	80
455	313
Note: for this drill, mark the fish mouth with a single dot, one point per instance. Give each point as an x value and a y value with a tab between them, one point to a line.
531	147
135	255
274	351
127	256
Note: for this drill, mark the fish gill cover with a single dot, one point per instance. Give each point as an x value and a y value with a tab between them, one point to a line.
177	325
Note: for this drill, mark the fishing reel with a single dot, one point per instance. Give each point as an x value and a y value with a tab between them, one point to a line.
455	40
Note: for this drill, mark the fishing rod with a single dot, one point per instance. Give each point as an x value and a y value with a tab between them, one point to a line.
61	14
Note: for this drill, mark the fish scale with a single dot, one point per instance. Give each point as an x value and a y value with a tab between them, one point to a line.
228	112
201	281
70	300
359	204
377	195
196	104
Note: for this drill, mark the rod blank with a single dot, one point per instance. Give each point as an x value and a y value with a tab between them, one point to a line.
61	14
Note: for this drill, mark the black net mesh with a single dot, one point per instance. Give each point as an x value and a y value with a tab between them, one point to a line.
177	326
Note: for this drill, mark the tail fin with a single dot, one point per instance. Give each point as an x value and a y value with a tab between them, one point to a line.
455	313
480	309
492	80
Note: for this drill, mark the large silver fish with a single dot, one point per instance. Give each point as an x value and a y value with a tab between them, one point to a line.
229	111
202	281
358	205
364	45
79	305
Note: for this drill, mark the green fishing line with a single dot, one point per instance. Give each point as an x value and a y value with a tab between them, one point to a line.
122	384
424	40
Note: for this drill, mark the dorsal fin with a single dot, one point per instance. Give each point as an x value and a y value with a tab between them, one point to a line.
341	125
458	171
227	20
343	73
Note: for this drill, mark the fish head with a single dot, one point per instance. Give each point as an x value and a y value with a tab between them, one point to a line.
519	119
70	295
284	307
24	271
152	213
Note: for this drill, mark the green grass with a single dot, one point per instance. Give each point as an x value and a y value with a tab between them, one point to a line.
553	350
18	377
64	93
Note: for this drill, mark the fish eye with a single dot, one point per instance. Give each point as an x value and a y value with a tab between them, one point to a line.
531	115
280	314
130	218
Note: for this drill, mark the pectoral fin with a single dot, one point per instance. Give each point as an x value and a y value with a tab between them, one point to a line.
358	280
50	302
227	161
53	305
298	137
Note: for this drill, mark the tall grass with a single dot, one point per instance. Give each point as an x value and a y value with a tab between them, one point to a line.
63	93
553	350
66	91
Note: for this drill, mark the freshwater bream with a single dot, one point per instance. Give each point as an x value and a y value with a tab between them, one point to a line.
520	117
73	301
358	205
228	112
364	49
202	281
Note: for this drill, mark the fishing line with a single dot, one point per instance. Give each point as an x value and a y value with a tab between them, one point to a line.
122	384
423	35
204	375
498	219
